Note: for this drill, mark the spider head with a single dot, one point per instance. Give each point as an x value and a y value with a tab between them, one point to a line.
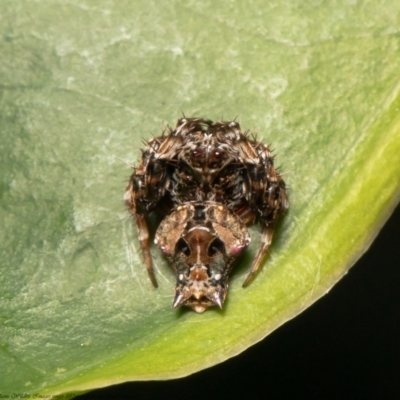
202	240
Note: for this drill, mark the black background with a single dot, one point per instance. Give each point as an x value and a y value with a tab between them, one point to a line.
345	346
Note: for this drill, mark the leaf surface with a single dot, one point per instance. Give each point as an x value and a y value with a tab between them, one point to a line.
83	82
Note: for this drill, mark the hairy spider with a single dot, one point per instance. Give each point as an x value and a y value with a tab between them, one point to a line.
208	180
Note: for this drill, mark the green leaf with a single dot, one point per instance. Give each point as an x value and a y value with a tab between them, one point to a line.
83	82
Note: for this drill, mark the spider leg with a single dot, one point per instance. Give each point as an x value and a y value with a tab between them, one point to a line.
268	200
246	214
143	234
146	187
132	200
266	239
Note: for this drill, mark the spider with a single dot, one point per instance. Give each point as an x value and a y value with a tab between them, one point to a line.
208	181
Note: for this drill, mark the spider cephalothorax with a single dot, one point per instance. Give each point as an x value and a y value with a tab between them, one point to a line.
212	178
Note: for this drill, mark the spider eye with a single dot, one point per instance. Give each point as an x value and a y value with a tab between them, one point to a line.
216	154
197	153
216	246
183	247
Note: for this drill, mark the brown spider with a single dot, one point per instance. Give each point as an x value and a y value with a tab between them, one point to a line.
208	180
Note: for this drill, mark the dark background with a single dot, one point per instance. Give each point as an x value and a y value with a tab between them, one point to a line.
345	346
